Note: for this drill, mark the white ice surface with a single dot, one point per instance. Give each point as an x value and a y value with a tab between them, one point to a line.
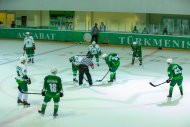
129	102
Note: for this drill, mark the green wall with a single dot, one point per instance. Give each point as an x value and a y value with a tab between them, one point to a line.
107	37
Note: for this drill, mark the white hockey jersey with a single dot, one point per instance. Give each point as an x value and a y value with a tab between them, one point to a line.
21	70
94	49
29	42
77	60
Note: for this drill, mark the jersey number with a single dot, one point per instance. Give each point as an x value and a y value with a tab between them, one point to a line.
53	87
177	71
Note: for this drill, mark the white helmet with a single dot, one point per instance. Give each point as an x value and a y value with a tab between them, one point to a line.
27	33
53	70
134	43
22	59
93	43
169	60
104	56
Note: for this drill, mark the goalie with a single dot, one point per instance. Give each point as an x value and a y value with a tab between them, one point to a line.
23	80
137	52
94	50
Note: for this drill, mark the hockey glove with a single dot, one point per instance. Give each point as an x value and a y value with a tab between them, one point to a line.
33	47
61	94
92	66
168	81
28	81
43	93
110	69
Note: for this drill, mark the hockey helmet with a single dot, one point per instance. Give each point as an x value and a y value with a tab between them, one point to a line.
22	59
169	61
93	43
104	56
27	33
134	43
53	70
71	59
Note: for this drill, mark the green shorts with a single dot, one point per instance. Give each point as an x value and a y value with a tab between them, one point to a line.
48	98
178	82
29	51
23	85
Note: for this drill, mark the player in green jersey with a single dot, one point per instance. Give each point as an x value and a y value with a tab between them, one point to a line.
137	52
175	77
113	62
52	89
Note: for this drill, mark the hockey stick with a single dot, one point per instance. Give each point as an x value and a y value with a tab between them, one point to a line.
103	77
27	92
157	84
81	55
24	53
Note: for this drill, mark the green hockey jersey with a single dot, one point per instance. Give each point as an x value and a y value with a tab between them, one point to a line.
52	85
175	72
112	60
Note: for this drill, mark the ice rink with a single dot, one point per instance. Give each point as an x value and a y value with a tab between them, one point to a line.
128	102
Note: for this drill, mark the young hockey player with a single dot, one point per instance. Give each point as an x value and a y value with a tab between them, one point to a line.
94	50
75	60
29	47
137	52
113	62
52	89
23	80
175	77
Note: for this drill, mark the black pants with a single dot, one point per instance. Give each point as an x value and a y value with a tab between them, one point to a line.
95	38
84	69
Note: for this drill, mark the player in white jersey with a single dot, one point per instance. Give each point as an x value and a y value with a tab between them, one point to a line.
29	47
23	80
75	60
94	50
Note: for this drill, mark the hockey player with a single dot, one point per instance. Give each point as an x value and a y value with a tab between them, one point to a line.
75	60
94	50
52	89
175	77
29	47
137	52
113	62
23	80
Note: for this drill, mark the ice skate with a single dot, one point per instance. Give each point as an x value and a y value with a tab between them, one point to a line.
19	102
41	113
26	104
